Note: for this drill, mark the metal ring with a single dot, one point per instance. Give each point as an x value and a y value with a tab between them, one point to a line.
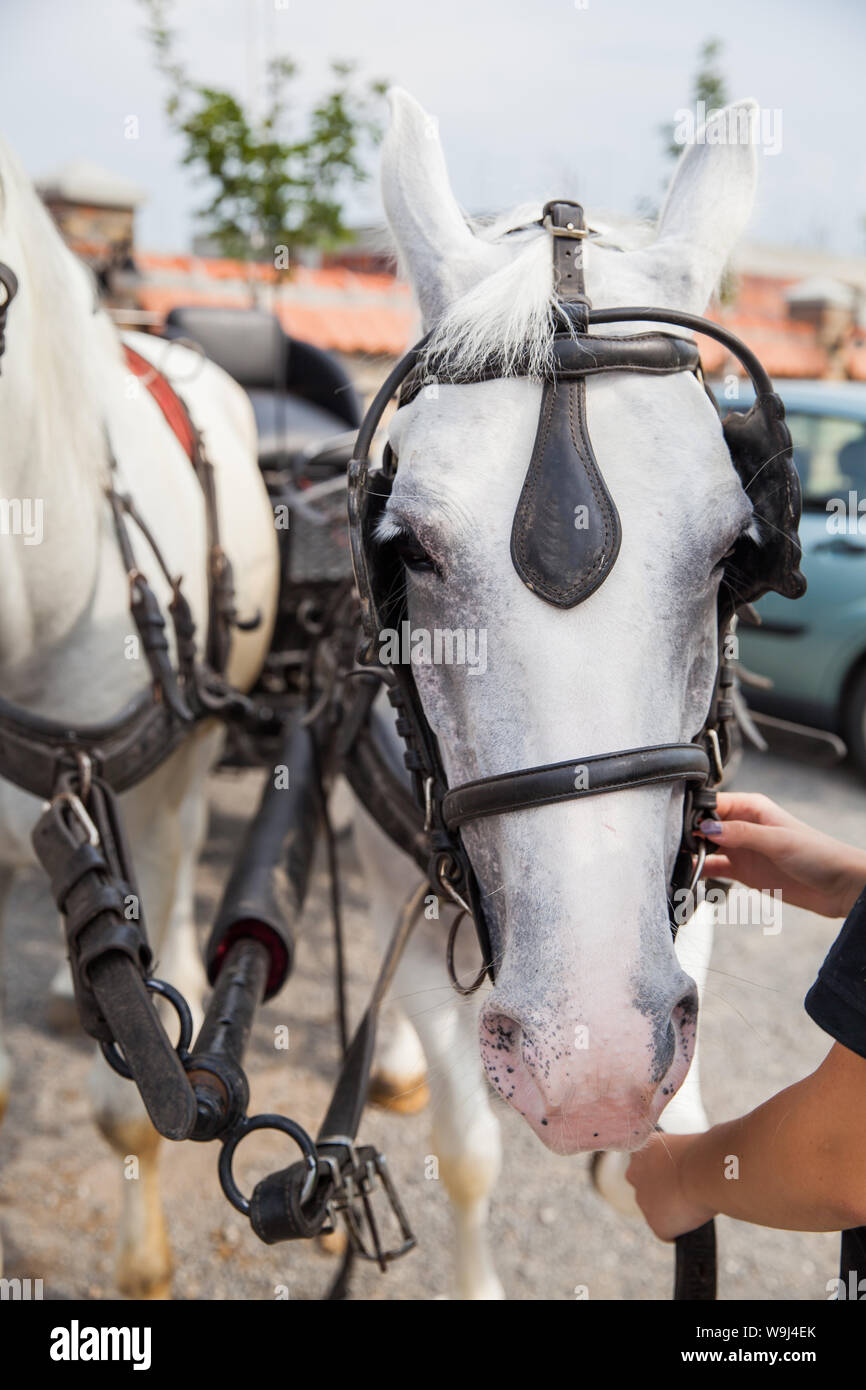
85	772
715	749
700	860
441	861
449	957
76	806
111	1052
245	1127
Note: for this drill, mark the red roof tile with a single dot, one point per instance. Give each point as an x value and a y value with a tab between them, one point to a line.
334	307
372	312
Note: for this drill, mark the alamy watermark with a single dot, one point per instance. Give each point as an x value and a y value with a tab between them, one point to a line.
846	517
736	907
740	126
22	516
441	646
20	1290
77	1343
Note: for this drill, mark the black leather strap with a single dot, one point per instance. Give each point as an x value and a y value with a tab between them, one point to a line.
35	751
653	354
695	1267
568	781
658	353
83	850
566	224
276	1211
566	533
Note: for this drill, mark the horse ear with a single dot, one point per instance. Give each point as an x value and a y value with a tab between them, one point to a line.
435	244
708	204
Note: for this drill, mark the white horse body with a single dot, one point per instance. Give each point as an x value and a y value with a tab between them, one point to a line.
67	639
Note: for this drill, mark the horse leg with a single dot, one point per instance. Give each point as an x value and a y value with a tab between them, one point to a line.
685	1114
399	1081
466	1146
466	1150
166	824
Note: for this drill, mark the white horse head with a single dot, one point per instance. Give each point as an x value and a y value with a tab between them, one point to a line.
589	1029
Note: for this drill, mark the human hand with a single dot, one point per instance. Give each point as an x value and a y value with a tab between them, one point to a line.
764	847
655	1173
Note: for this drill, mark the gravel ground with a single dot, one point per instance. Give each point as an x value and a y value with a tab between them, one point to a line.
60	1188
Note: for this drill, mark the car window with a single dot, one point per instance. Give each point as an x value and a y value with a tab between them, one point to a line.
830	454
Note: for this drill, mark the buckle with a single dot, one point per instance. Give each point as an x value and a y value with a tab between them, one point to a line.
569	230
76	806
355	1186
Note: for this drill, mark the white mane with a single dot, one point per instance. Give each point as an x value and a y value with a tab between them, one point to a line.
508	316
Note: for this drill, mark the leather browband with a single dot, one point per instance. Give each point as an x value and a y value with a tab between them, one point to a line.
654	353
606	772
640	352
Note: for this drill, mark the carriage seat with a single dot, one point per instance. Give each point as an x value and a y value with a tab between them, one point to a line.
299	393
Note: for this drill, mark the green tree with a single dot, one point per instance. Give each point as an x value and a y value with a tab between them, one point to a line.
708	86
270	186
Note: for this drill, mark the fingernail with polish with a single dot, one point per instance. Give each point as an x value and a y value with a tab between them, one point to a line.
710	827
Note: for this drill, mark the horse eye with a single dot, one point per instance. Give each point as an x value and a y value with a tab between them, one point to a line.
731	551
413	555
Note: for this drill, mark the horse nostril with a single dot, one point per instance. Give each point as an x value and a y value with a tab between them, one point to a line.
681	1028
500	1037
500	1032
685	1011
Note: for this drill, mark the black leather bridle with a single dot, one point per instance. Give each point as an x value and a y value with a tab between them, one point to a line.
564	566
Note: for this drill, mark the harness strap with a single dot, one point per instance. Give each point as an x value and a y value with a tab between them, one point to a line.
567	226
83	850
169	402
577	778
222	612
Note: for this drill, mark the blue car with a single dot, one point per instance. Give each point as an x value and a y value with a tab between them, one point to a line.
814	649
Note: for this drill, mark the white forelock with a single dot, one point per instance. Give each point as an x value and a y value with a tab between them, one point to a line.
508	316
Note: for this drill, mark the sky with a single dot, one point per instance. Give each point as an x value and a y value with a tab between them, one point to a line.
534	98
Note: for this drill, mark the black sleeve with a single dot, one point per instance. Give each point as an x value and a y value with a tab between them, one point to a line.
837	999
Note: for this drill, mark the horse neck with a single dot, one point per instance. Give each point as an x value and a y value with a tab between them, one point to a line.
52	473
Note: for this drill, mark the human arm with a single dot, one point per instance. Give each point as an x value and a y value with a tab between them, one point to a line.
797	1162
